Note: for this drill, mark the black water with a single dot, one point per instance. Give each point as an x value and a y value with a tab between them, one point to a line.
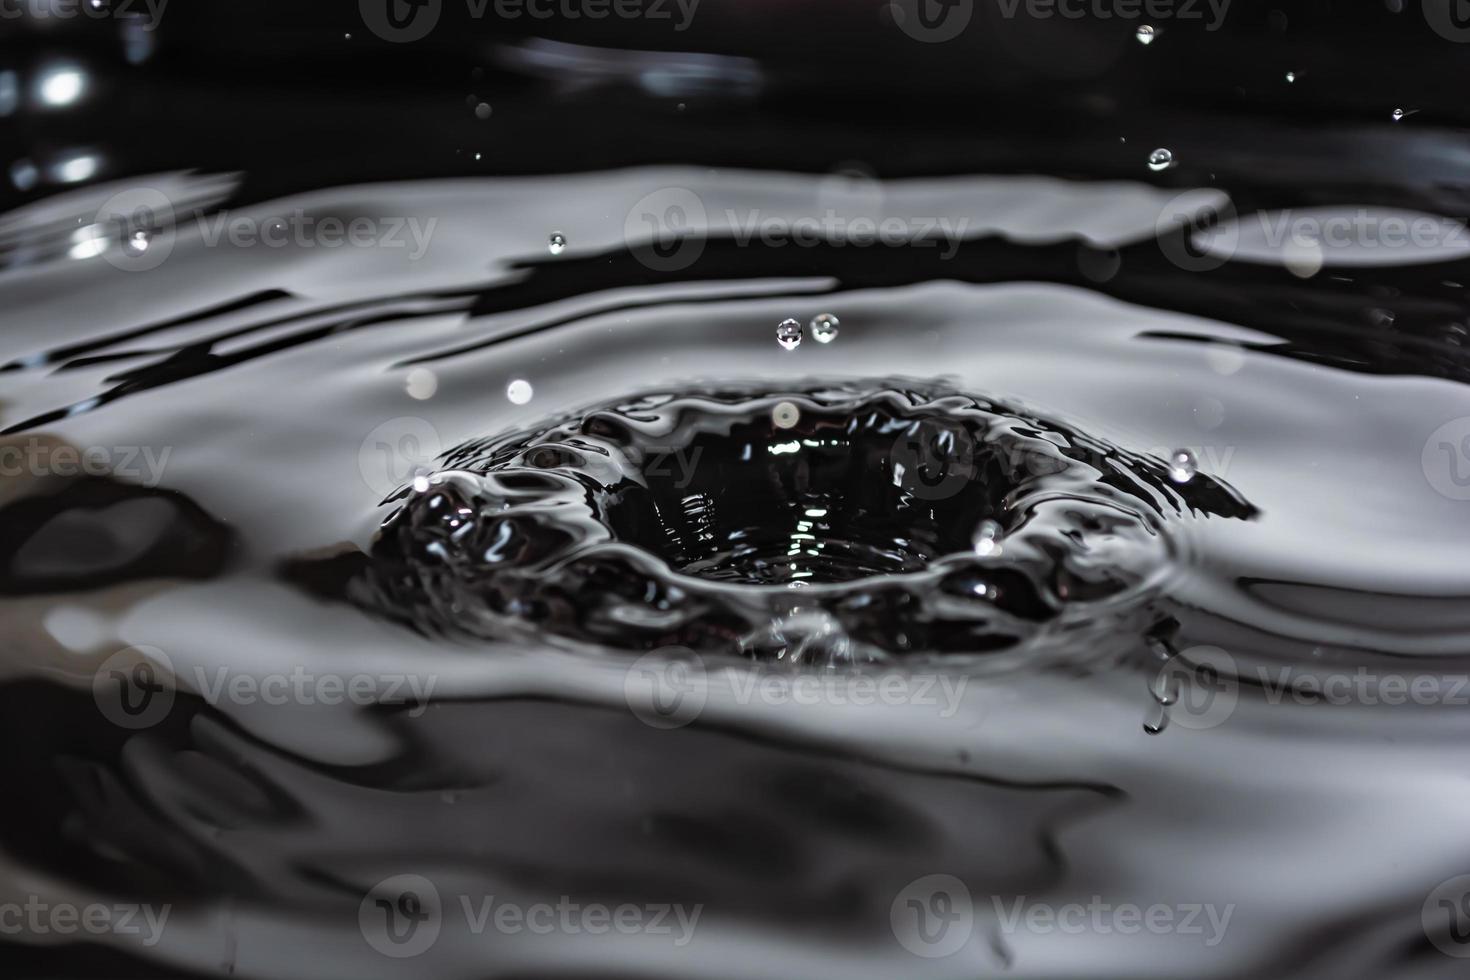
1106	563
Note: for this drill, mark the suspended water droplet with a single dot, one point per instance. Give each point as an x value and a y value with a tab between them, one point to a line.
1145	34
483	110
1160	159
1398	114
137	243
824	327
788	334
785	415
557	243
1182	466
519	391
1291	76
987	539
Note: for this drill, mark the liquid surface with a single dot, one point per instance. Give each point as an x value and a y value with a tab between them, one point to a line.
1098	494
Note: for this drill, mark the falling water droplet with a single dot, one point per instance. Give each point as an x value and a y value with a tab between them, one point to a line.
785	415
1160	159
987	539
1291	76
824	327
788	334
483	110
138	242
1398	114
1182	466
557	243
519	391
1145	34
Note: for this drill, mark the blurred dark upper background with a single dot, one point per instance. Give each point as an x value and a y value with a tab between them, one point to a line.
309	93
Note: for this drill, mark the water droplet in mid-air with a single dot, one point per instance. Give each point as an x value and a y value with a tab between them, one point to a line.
557	243
788	334
1145	34
1291	76
1182	466
987	539
137	243
483	110
824	327
519	391
785	415
1160	159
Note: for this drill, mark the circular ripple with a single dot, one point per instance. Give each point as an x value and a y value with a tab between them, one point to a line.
826	524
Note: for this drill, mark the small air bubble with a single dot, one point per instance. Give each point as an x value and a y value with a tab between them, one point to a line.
1145	34
483	110
824	327
557	243
987	539
785	415
1182	466
1160	159
519	391
788	334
